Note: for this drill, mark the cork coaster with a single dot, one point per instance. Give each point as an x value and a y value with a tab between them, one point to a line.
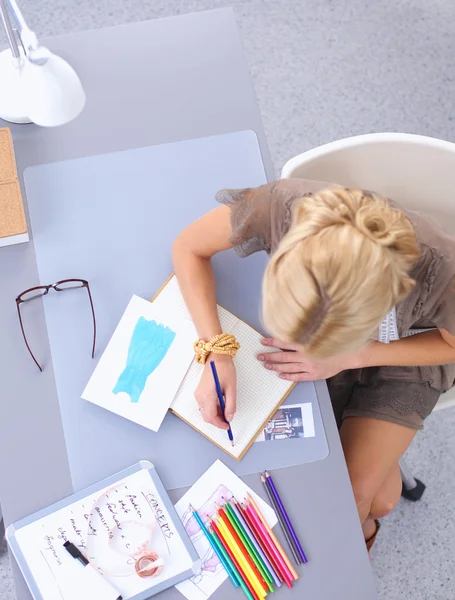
12	216
7	162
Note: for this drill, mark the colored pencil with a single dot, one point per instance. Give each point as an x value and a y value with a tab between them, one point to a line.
219	393
286	517
225	517
267	541
243	579
249	548
289	540
204	530
265	560
284	528
248	539
265	549
240	558
224	555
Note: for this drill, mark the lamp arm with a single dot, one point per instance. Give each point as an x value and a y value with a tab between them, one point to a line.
28	37
10	33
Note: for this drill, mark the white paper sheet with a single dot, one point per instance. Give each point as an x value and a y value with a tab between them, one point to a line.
217	482
291	421
143	365
107	527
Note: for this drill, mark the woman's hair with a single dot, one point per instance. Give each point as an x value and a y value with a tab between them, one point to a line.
342	266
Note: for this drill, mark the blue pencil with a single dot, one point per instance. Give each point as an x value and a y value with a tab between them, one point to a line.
205	531
221	399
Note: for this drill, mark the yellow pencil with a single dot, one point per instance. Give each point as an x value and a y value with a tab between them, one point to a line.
241	559
273	536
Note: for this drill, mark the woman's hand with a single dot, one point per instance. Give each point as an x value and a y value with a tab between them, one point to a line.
293	365
206	396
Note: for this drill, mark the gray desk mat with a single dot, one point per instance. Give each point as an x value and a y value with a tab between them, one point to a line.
111	219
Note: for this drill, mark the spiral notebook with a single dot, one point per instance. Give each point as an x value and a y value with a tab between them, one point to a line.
259	392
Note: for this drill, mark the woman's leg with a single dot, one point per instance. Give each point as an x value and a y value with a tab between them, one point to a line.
372	449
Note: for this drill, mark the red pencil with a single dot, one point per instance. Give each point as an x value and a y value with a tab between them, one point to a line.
252	527
243	550
234	560
267	541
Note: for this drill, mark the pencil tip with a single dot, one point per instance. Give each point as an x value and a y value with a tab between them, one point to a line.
232	444
267	474
262	478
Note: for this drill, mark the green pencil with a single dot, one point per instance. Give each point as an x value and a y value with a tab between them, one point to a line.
243	535
227	558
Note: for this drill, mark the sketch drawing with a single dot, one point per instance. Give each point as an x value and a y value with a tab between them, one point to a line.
149	345
211	566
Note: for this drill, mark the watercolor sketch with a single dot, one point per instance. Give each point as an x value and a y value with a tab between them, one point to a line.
149	344
144	363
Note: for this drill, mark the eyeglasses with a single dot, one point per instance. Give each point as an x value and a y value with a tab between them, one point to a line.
42	290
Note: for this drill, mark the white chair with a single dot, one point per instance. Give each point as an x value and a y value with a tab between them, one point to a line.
417	171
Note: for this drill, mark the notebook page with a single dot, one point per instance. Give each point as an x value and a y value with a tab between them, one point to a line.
259	392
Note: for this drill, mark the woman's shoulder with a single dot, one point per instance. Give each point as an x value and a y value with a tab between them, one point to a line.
261	216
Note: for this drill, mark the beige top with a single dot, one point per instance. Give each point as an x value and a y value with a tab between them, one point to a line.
262	216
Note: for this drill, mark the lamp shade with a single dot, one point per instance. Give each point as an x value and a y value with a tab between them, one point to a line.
53	91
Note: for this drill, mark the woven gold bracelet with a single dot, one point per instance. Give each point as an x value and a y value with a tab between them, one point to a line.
224	343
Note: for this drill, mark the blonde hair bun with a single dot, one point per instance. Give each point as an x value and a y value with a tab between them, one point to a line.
342	266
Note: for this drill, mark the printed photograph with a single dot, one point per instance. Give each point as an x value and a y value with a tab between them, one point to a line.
289	422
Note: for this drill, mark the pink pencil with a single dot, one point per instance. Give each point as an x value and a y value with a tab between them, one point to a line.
268	543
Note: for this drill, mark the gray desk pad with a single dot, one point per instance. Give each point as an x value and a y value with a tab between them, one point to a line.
111	219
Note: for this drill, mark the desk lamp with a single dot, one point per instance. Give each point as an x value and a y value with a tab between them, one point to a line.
36	86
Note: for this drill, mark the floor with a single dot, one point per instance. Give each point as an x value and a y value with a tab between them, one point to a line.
323	70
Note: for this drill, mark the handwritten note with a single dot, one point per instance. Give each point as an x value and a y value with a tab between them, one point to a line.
112	528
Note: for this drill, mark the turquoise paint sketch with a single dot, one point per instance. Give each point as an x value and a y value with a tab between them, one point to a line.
149	344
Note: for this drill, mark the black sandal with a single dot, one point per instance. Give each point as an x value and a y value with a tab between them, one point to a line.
370	541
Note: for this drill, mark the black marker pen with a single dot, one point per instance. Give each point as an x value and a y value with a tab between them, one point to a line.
101	588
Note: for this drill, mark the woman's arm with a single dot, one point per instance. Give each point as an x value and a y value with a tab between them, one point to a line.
192	253
435	347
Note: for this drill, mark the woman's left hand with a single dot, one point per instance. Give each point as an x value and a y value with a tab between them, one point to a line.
292	363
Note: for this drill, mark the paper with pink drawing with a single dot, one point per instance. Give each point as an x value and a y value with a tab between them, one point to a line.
218	482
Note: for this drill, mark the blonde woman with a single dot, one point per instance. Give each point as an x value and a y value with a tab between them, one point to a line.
352	281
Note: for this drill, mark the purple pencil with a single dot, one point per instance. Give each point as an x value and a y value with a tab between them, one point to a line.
285	517
256	545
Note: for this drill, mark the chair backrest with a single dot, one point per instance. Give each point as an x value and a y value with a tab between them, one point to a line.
417	171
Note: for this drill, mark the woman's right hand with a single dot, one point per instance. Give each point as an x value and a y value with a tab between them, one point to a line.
206	395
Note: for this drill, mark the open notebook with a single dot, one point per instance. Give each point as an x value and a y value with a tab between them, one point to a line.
259	392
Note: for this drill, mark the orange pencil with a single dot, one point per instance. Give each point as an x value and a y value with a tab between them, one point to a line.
242	547
272	535
234	560
267	541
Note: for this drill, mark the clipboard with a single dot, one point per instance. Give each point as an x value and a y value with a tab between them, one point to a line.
14	528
